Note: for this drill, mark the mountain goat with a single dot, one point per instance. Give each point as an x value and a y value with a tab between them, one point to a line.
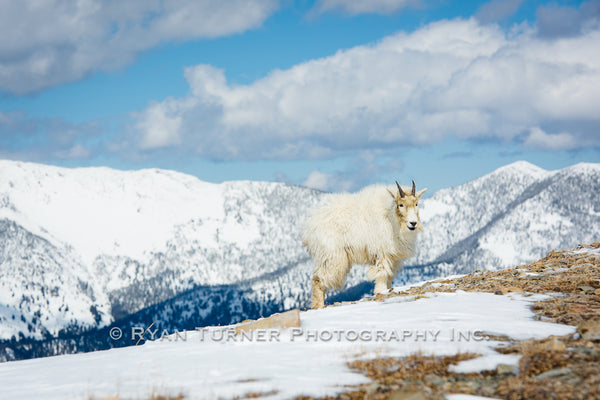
376	226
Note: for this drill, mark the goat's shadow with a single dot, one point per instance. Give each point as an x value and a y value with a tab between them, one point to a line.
352	293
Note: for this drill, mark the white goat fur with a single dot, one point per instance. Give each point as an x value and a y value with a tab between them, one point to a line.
368	227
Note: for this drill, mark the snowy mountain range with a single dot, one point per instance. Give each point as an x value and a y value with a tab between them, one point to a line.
83	250
511	216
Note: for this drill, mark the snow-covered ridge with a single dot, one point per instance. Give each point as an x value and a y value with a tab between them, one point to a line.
105	211
131	239
522	167
513	215
44	289
106	243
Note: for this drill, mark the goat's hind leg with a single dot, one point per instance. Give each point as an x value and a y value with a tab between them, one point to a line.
318	293
331	273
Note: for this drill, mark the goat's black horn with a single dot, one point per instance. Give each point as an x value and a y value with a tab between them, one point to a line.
400	190
414	189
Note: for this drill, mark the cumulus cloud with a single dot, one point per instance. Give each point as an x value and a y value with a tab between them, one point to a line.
48	42
354	7
318	180
539	139
364	169
457	78
161	124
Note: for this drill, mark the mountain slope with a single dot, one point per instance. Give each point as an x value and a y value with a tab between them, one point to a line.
511	216
140	238
258	233
44	289
84	248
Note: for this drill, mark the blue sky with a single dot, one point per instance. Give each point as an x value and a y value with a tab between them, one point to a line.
331	94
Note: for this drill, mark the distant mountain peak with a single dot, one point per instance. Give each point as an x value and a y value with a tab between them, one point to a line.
584	167
522	167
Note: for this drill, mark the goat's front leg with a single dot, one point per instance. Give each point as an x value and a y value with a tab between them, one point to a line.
397	267
389	281
381	284
383	274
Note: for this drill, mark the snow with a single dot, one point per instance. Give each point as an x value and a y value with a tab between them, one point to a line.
485	363
99	237
433	207
243	234
501	246
584	167
523	167
584	250
310	360
145	205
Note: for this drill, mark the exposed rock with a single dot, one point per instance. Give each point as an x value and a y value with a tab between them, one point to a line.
409	394
586	288
435	380
507	369
555	373
557	345
288	319
590	330
509	289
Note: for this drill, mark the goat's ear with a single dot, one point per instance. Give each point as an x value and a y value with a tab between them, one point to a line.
421	193
391	193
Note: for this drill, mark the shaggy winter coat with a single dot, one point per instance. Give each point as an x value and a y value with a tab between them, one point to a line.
377	226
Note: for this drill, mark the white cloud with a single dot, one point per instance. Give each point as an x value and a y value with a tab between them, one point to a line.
449	79
364	168
77	151
539	139
318	180
48	42
339	181
161	125
354	7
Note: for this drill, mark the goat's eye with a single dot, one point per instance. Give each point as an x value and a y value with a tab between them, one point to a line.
400	205
417	205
